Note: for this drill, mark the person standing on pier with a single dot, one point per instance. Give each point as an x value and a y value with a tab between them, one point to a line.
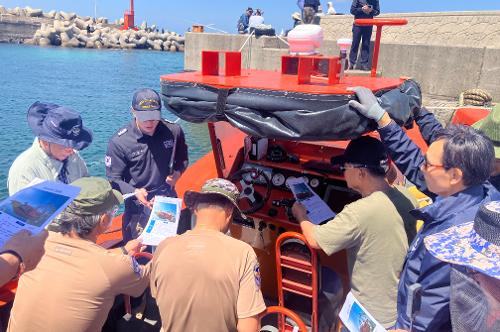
146	157
363	34
59	132
309	11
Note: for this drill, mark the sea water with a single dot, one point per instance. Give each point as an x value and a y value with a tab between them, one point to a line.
97	83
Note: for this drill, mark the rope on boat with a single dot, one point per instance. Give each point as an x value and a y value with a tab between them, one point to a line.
475	97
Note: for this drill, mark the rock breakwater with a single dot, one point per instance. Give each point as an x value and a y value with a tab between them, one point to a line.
71	30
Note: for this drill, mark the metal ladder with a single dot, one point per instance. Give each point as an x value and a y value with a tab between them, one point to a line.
305	281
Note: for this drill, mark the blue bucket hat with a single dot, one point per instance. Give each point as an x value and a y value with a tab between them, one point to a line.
475	245
147	105
59	125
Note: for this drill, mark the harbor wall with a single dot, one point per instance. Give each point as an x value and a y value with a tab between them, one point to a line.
446	52
15	29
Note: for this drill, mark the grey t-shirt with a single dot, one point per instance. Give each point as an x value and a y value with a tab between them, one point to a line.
372	230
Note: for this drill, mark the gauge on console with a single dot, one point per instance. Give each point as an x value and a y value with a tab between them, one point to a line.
278	179
314	183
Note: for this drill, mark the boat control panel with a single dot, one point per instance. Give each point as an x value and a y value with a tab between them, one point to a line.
260	169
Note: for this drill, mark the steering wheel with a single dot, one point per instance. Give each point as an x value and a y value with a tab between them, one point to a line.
256	199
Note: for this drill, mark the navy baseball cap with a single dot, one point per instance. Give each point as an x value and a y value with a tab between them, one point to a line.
367	151
147	105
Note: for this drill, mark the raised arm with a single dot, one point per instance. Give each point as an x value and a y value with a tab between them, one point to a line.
403	152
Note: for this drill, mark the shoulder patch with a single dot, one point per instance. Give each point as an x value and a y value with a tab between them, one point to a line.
135	266
107	161
122	131
256	274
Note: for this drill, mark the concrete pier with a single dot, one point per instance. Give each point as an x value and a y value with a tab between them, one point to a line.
14	29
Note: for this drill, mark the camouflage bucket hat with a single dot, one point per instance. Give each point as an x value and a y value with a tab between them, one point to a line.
217	186
96	197
475	245
490	126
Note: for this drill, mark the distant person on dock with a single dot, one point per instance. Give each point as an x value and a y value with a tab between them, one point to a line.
59	132
205	280
244	21
76	282
297	19
310	9
363	34
375	230
146	157
256	19
454	173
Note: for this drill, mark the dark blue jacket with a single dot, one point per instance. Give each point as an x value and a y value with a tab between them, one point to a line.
312	3
358	4
420	266
427	124
243	22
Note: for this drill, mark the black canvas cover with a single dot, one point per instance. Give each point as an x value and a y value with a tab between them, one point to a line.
284	114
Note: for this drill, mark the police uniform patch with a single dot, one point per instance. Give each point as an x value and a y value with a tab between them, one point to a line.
107	161
122	131
75	131
135	266
168	144
256	274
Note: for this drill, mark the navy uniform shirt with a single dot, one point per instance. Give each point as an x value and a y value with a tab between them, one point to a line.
359	13
135	160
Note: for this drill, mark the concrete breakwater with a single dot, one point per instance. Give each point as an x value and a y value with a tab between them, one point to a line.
59	28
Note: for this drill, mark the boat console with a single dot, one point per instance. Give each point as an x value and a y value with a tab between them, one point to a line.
260	168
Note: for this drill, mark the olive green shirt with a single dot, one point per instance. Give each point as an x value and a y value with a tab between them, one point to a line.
35	163
372	230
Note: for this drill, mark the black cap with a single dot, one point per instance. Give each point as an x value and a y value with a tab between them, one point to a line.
366	151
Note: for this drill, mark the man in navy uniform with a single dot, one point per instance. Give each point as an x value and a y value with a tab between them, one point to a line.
146	158
363	34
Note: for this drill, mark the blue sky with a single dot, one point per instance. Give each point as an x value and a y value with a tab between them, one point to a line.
178	15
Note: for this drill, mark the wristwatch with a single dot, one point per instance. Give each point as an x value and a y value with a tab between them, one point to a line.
124	250
21	267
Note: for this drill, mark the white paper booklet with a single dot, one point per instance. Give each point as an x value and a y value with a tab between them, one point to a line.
34	207
356	318
317	210
163	221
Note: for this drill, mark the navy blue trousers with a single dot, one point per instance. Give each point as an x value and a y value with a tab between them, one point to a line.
363	35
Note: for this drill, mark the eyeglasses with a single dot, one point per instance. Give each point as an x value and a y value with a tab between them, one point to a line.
426	165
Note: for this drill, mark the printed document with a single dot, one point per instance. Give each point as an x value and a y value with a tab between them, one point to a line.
34	207
163	221
356	318
317	210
